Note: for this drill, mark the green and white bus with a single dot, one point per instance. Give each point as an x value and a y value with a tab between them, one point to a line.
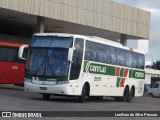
84	67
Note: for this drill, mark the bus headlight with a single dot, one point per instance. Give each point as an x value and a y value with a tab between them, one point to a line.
61	82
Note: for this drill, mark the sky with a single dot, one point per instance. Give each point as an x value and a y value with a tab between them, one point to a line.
152	6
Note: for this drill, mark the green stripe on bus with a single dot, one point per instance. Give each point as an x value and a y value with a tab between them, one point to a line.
99	69
121	72
90	67
118	81
137	74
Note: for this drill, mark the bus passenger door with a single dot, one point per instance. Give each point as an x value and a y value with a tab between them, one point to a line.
77	59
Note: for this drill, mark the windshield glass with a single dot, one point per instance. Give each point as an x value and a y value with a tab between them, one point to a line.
48	62
51	42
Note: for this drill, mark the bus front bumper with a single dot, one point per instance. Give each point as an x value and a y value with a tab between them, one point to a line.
64	89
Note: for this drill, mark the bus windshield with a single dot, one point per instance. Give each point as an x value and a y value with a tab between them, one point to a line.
47	62
51	42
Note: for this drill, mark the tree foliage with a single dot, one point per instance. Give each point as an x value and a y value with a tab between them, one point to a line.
156	65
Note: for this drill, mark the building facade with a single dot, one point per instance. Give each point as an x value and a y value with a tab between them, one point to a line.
103	18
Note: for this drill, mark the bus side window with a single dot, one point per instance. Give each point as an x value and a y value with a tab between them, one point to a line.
141	61
135	60
9	54
113	55
129	59
108	55
121	55
13	54
100	53
90	51
77	59
3	53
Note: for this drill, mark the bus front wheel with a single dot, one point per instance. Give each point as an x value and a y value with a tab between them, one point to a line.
82	98
46	96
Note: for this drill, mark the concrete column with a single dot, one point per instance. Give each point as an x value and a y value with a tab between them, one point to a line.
40	24
123	39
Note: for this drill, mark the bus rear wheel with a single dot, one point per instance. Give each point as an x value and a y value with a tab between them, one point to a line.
82	98
125	95
46	96
130	96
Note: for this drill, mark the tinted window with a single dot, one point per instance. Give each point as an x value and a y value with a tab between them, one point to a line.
12	54
108	55
9	54
141	61
100	52
51	41
121	57
112	55
135	63
90	53
129	59
3	54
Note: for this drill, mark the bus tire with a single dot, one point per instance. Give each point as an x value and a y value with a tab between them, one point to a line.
130	96
82	98
46	96
125	95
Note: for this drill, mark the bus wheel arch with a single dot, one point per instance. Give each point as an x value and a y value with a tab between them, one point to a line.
85	92
87	88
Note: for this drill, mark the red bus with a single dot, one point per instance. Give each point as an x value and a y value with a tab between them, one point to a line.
11	67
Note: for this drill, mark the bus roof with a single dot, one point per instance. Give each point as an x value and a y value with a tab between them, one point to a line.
8	44
92	38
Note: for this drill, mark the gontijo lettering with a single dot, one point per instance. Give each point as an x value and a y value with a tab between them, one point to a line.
98	69
139	74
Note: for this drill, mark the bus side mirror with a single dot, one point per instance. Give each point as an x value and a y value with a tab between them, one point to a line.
20	52
70	54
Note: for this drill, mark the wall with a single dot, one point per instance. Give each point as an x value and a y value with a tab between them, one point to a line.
103	14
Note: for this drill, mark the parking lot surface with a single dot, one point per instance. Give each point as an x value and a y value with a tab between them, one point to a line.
15	99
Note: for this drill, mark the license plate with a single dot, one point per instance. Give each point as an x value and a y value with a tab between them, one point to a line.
43	88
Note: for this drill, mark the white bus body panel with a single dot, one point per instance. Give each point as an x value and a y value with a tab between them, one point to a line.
106	86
